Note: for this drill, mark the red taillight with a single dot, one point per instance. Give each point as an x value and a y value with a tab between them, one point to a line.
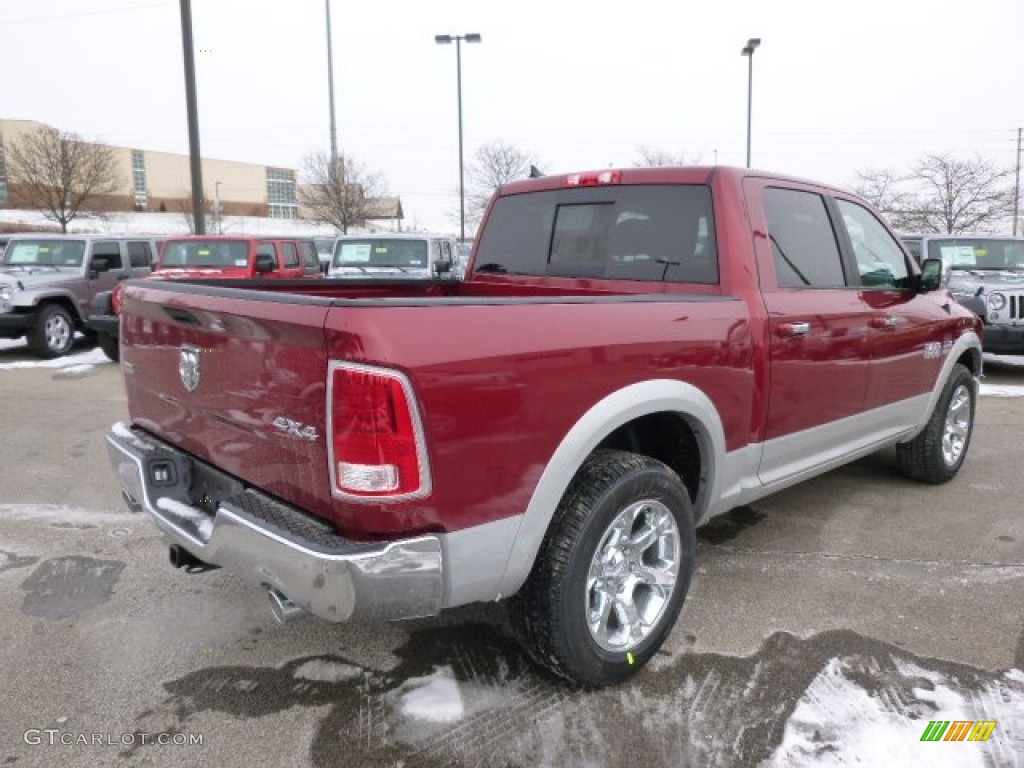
593	179
377	448
116	298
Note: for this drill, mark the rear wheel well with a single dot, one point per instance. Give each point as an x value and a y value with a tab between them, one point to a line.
669	438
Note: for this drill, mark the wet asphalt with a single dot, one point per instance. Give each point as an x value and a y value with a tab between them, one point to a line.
826	625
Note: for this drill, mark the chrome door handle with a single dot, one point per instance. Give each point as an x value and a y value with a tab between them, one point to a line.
793	329
885	323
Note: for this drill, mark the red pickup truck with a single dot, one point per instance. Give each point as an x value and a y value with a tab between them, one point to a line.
210	257
631	353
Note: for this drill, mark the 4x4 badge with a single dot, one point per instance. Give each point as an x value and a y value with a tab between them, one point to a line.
189	367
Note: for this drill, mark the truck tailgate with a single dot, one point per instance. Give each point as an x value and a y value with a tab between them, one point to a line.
239	382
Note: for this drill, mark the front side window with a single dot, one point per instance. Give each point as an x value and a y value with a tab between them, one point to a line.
653	233
804	246
880	260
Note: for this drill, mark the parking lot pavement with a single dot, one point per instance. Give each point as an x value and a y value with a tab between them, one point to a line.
827	625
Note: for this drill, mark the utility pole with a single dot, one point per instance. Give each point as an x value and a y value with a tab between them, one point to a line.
330	87
195	158
1016	187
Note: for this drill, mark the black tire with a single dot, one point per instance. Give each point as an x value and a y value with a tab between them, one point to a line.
110	345
53	333
550	612
938	452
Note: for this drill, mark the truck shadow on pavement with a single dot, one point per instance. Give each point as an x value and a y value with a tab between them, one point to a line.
467	695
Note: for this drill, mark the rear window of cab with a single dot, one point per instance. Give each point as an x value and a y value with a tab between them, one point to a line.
655	233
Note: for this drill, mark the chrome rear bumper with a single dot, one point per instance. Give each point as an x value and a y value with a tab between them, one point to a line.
270	543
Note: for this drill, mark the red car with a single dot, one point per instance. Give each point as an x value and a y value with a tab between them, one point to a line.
210	257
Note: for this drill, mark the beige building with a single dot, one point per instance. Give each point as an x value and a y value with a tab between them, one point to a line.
161	181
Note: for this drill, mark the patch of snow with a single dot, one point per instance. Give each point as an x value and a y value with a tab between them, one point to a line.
61	513
1001	390
323	671
434	698
838	722
76	368
1017	361
90	358
1016	675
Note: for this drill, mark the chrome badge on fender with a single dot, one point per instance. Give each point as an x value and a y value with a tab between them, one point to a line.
189	367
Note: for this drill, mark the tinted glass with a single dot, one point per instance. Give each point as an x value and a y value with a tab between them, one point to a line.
291	256
139	254
881	262
978	253
309	255
48	253
205	253
381	253
650	233
804	244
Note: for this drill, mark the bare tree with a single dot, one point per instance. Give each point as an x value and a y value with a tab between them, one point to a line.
883	189
941	194
651	156
958	195
494	164
60	175
340	194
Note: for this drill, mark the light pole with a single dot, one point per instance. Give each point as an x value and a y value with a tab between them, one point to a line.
471	37
330	87
748	51
216	207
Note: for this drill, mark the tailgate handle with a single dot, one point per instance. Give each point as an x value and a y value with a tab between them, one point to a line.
182	315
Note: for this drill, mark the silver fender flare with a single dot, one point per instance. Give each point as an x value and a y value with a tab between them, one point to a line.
968	341
618	408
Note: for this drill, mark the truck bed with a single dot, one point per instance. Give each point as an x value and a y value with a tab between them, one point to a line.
501	370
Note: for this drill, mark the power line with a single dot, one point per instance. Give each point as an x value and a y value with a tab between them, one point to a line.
78	14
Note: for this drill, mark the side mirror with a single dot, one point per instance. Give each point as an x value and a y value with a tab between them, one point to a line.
442	267
265	263
932	272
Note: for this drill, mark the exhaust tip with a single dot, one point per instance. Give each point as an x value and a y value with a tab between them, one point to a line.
283	608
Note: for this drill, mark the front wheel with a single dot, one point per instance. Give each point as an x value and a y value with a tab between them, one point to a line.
938	452
53	332
612	573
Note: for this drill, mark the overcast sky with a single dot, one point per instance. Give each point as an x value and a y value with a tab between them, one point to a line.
579	84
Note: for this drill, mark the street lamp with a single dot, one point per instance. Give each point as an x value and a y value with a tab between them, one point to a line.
216	207
471	37
748	51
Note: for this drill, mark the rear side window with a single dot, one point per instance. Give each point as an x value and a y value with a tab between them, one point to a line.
139	254
651	233
804	244
309	255
291	256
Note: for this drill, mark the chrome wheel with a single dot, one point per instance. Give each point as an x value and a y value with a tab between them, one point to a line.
632	575
957	427
58	332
